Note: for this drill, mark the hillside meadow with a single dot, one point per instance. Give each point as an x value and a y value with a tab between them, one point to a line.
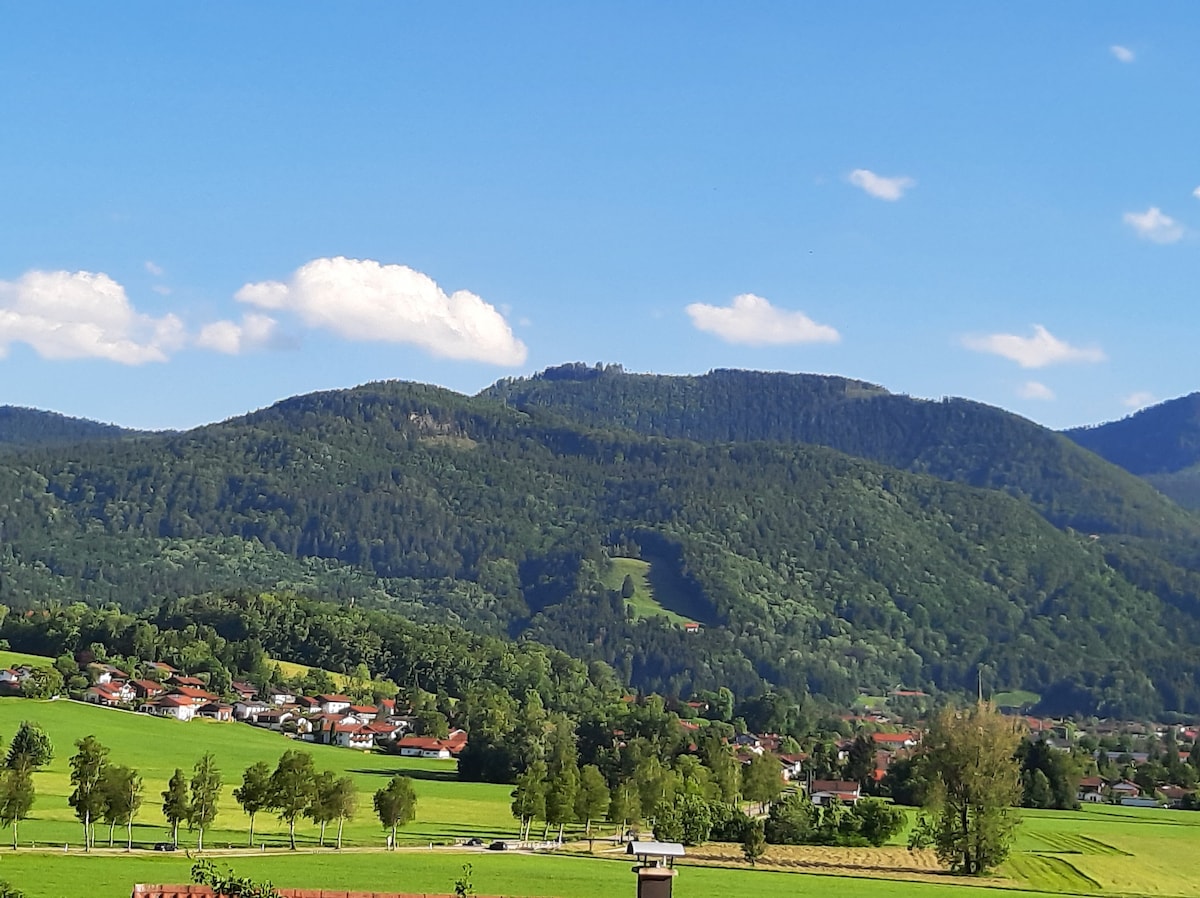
446	808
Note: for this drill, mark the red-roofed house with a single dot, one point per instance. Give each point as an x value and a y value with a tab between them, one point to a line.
216	711
823	791
181	680
177	706
424	747
243	690
146	688
195	695
109	694
353	735
332	704
895	741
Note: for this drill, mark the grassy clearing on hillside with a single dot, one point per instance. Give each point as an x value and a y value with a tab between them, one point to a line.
292	670
870	702
446	808
644	602
1016	698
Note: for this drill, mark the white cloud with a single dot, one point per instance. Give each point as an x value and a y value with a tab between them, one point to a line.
1154	225
1196	193
1038	351
1138	399
364	300
256	331
79	315
754	321
1031	389
153	269
881	188
1123	54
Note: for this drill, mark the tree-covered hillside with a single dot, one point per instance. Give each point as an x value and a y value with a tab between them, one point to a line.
1160	443
809	569
32	427
952	439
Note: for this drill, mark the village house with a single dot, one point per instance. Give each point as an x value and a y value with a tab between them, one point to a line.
216	711
244	691
353	735
177	706
249	709
822	792
1091	790
333	703
103	674
144	689
109	694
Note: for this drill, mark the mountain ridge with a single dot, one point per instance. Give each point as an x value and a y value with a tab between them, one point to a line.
825	572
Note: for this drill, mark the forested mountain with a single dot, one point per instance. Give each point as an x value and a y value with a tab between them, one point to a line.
809	569
952	439
31	427
1160	443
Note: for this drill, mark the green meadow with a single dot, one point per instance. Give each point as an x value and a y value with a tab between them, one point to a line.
1096	851
446	808
12	659
655	593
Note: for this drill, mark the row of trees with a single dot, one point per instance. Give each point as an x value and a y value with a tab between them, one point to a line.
294	789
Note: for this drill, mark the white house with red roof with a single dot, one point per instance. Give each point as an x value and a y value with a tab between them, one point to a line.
824	791
177	706
109	694
334	703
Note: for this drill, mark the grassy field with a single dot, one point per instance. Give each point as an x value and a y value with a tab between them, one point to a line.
1096	851
653	595
1016	698
446	808
643	601
12	659
1106	849
66	876
292	670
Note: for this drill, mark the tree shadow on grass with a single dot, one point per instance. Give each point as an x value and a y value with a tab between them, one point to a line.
441	776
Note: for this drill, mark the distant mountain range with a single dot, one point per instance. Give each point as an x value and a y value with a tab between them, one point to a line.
1160	443
830	536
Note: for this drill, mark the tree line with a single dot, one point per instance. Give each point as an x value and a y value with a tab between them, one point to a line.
112	794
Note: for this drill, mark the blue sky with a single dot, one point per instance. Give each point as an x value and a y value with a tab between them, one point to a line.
205	208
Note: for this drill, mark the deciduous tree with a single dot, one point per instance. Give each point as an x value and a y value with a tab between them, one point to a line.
976	783
396	805
292	785
206	787
87	771
16	796
254	794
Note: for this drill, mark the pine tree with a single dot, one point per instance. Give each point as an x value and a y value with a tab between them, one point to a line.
754	842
